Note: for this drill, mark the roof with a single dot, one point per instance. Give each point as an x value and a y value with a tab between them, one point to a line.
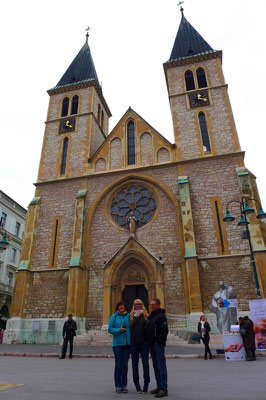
81	69
188	42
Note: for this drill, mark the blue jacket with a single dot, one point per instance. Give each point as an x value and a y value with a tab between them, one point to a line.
114	327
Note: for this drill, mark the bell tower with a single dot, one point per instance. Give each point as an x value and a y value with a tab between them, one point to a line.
201	111
77	120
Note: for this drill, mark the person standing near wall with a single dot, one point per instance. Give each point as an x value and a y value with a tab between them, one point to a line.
157	331
119	327
69	331
139	347
204	329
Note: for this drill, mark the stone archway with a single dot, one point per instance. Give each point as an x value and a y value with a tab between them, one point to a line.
132	266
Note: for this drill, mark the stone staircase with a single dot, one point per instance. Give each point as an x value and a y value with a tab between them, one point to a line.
97	337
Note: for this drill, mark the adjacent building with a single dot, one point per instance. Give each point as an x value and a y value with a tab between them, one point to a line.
128	214
12	220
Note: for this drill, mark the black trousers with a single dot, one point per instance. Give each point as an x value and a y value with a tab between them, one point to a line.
64	348
206	341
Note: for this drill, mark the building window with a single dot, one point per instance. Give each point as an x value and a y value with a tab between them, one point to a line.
204	132
64	156
65	106
3	220
131	143
102	120
10	278
13	255
135	199
17	228
189	78
99	113
201	77
219	227
75	105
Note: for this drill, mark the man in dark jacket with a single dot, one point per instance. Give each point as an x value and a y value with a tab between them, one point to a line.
249	339
157	331
69	331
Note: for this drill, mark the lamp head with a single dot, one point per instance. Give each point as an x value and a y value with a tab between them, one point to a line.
242	221
248	210
4	243
261	215
228	217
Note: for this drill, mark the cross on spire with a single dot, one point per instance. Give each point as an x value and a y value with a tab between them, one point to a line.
181	8
87	34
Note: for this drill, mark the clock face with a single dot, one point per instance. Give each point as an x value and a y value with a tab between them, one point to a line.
67	125
199	99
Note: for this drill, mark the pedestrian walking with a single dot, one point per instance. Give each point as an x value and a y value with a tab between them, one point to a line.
139	346
249	339
204	329
119	327
157	331
69	331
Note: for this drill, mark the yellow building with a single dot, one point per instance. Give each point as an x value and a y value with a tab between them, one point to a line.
128	214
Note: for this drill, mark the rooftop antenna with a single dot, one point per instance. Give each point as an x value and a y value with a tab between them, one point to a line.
87	34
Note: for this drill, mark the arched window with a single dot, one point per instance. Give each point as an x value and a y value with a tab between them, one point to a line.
99	113
102	120
64	156
189	78
131	143
75	105
65	106
204	132
202	82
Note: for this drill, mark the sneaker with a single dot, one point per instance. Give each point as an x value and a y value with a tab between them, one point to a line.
145	390
70	357
139	391
124	390
118	390
161	393
155	391
61	358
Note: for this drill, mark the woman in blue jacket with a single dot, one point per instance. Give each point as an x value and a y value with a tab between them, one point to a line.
119	327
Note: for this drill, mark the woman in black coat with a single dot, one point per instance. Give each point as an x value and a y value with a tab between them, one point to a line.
204	329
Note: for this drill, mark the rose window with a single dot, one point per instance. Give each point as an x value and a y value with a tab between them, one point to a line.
135	199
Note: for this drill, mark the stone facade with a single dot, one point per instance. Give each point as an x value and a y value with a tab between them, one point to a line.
78	254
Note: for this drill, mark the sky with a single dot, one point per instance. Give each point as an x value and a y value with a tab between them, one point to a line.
129	41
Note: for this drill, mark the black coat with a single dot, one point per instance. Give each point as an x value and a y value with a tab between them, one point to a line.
69	329
207	329
138	330
157	328
249	339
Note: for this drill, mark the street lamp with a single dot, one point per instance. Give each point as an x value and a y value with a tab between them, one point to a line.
246	211
3	242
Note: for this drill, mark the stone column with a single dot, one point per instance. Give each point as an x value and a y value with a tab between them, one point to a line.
78	273
191	259
23	277
256	236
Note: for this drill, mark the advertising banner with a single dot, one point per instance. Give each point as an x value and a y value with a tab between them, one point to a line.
233	347
258	315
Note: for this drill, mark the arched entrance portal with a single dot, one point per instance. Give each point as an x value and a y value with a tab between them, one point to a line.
132	273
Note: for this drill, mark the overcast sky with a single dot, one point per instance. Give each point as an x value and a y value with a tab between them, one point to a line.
129	41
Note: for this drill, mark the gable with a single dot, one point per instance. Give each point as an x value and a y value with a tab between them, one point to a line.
151	148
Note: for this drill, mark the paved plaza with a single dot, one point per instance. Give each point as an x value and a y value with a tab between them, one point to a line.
42	378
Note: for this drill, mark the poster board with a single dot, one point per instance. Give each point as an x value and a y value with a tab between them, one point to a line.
233	347
258	315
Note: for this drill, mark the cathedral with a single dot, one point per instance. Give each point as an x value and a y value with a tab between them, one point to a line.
128	214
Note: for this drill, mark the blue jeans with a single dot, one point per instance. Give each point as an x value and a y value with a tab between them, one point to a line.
122	354
143	351
159	365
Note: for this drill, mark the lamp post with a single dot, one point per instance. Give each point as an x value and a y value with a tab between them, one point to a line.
3	242
246	211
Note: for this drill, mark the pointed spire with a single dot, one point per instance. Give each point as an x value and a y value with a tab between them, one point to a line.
81	69
188	41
